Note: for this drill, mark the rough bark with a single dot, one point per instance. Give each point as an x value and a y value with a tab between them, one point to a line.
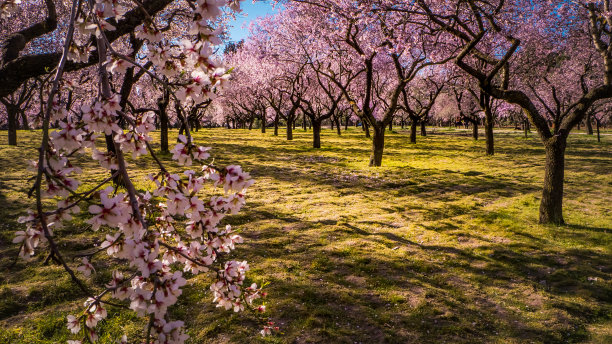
316	134
378	145
24	121
162	106
423	130
413	131
488	122
551	206
589	125
12	113
475	130
290	127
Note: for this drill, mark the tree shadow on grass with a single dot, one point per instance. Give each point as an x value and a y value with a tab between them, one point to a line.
447	302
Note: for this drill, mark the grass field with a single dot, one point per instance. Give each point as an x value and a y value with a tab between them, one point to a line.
440	245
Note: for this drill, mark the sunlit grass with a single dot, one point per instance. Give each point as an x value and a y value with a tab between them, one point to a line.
440	245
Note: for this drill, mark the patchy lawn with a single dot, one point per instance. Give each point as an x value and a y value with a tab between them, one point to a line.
440	245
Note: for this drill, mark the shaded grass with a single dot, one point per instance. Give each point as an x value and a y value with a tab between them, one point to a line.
440	245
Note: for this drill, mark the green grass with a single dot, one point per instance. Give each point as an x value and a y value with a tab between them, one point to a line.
440	245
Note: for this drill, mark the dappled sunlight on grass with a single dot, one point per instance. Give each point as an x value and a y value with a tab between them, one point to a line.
440	245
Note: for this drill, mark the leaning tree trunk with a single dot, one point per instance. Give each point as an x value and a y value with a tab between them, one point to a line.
413	130
338	127
316	133
378	144
423	130
551	206
12	112
290	124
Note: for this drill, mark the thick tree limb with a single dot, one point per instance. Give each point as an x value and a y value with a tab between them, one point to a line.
17	71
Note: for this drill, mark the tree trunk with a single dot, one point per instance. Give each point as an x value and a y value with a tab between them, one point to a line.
597	126
391	126
366	127
12	113
402	123
346	123
263	124
276	125
251	123
551	206
338	128
378	145
423	130
526	127
162	106
489	122
475	130
589	125
413	131
163	125
316	133
24	121
331	122
290	127
304	121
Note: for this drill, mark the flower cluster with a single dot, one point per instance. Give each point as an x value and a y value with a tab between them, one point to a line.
153	248
176	228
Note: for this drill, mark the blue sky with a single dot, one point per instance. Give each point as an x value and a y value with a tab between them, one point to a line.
251	11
